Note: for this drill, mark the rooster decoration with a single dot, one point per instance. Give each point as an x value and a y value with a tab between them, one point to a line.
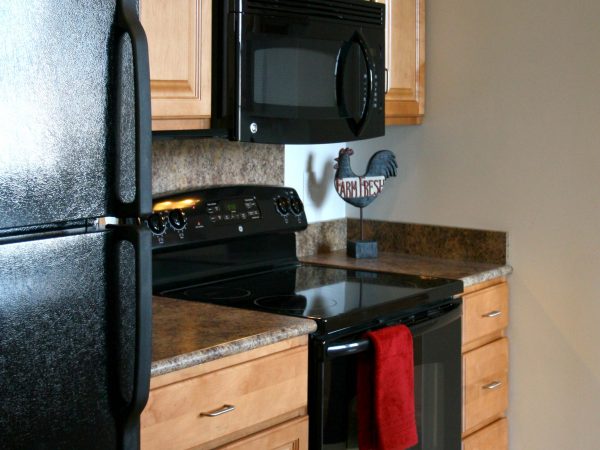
360	191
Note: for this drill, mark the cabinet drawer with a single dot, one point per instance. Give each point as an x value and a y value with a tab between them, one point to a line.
492	437
485	389
484	312
260	390
291	435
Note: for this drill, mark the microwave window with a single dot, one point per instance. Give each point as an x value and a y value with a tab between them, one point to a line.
296	76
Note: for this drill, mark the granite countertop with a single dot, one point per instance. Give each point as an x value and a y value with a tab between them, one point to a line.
185	334
469	272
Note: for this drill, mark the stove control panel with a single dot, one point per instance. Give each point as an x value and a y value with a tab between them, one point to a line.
205	216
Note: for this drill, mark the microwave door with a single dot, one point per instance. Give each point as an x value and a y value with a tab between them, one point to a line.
354	69
306	81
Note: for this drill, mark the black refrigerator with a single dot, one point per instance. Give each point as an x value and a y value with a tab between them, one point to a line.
75	174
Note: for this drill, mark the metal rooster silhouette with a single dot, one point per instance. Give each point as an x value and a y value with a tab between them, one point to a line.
361	190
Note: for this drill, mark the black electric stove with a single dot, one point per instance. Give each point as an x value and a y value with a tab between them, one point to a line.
236	246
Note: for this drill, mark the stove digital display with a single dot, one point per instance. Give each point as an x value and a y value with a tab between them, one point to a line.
231	206
233	210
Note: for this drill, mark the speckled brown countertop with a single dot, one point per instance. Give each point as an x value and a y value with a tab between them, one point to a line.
185	334
469	272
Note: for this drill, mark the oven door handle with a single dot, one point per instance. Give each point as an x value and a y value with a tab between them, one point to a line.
348	348
428	325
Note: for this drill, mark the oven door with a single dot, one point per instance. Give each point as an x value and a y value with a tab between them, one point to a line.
303	80
437	359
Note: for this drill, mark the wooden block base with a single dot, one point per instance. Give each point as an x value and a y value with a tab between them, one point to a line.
361	249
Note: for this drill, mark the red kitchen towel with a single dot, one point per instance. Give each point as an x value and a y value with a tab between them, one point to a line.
386	396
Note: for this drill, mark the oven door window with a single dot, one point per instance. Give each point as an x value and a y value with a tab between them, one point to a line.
295	77
437	392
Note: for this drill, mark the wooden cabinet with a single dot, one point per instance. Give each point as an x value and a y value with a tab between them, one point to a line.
257	399
179	40
485	384
492	437
485	315
405	61
292	435
485	366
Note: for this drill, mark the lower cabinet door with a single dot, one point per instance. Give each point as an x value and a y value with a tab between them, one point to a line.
492	437
485	390
291	435
224	405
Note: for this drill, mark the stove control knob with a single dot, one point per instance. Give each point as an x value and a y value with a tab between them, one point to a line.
177	219
156	223
296	206
283	205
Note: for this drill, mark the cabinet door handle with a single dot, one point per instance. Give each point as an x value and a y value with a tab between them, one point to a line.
387	81
491	314
217	412
493	385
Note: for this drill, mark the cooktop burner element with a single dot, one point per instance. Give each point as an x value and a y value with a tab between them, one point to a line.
297	304
216	293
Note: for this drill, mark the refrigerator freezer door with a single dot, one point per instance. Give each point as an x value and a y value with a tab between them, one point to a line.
67	110
75	342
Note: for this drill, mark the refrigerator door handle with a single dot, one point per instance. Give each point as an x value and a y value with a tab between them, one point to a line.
140	238
128	20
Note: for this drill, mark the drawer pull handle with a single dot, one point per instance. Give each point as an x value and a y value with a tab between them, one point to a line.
495	313
493	385
217	412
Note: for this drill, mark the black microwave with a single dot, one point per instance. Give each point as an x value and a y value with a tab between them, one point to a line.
298	71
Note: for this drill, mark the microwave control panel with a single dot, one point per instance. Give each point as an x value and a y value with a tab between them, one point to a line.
209	215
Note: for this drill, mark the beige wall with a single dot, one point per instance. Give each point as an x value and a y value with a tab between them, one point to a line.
511	141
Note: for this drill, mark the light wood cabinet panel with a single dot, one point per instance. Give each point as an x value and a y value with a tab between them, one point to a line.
485	315
405	61
264	392
492	437
179	41
292	435
485	390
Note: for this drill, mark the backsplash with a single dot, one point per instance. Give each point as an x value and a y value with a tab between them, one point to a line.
187	163
434	241
321	237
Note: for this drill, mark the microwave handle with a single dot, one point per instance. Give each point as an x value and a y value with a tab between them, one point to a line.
355	125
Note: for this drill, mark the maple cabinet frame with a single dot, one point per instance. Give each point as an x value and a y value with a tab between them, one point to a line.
179	40
405	61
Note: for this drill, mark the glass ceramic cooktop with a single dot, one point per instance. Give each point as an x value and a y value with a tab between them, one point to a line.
330	296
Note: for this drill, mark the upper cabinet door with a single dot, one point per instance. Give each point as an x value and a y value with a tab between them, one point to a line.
405	61
179	39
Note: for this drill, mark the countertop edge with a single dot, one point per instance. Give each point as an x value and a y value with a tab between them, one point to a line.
486	275
184	361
